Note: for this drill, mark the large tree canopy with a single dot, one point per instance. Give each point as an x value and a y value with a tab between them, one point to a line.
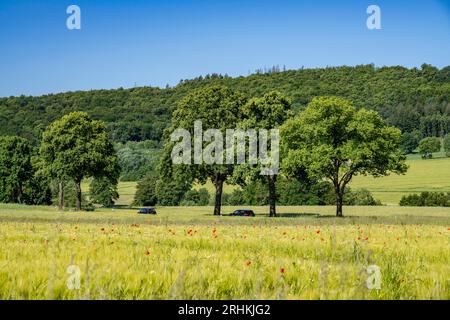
267	112
219	108
333	140
78	147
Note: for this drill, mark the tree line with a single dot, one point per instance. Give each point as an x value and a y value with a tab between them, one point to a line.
416	99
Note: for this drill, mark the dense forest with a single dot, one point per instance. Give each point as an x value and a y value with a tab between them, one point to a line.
415	100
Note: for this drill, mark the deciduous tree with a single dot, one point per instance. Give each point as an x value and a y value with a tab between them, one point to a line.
267	112
78	147
15	168
217	107
333	140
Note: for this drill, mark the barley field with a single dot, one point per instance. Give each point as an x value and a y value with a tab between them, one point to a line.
185	253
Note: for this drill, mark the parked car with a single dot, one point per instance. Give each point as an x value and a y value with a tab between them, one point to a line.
147	211
242	213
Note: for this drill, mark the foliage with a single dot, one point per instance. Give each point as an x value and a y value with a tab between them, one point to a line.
411	99
15	168
78	147
446	144
292	192
410	141
267	113
146	191
426	199
217	107
193	197
137	159
430	145
333	140
103	191
37	189
360	197
171	192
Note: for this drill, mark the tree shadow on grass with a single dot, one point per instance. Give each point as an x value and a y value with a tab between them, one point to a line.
299	215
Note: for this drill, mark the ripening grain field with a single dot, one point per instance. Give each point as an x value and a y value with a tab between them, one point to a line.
183	253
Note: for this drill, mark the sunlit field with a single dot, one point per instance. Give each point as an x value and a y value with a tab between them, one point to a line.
423	175
185	253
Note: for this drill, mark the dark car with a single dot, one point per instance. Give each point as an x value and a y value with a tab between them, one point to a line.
147	211
243	213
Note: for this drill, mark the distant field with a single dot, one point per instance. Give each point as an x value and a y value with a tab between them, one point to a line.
423	175
126	191
185	253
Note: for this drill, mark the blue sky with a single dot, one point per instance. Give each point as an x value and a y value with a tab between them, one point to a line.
137	42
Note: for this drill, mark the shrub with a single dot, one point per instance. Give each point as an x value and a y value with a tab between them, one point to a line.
360	197
447	145
170	192
296	193
103	191
146	191
410	141
426	199
196	198
430	145
236	198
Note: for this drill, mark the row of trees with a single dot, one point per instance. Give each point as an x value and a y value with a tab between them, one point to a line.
330	140
73	148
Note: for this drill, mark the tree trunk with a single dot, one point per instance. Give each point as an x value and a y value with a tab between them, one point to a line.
272	195
78	194
19	193
60	196
339	203
218	183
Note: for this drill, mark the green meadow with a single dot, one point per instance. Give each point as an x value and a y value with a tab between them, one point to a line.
423	175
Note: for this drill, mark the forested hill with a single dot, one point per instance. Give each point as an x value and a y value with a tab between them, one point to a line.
412	99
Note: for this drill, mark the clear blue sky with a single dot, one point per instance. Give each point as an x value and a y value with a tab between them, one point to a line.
123	43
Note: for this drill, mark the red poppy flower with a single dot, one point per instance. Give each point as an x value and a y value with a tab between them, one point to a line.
281	270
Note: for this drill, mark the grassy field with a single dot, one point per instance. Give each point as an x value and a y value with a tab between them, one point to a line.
423	175
187	253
